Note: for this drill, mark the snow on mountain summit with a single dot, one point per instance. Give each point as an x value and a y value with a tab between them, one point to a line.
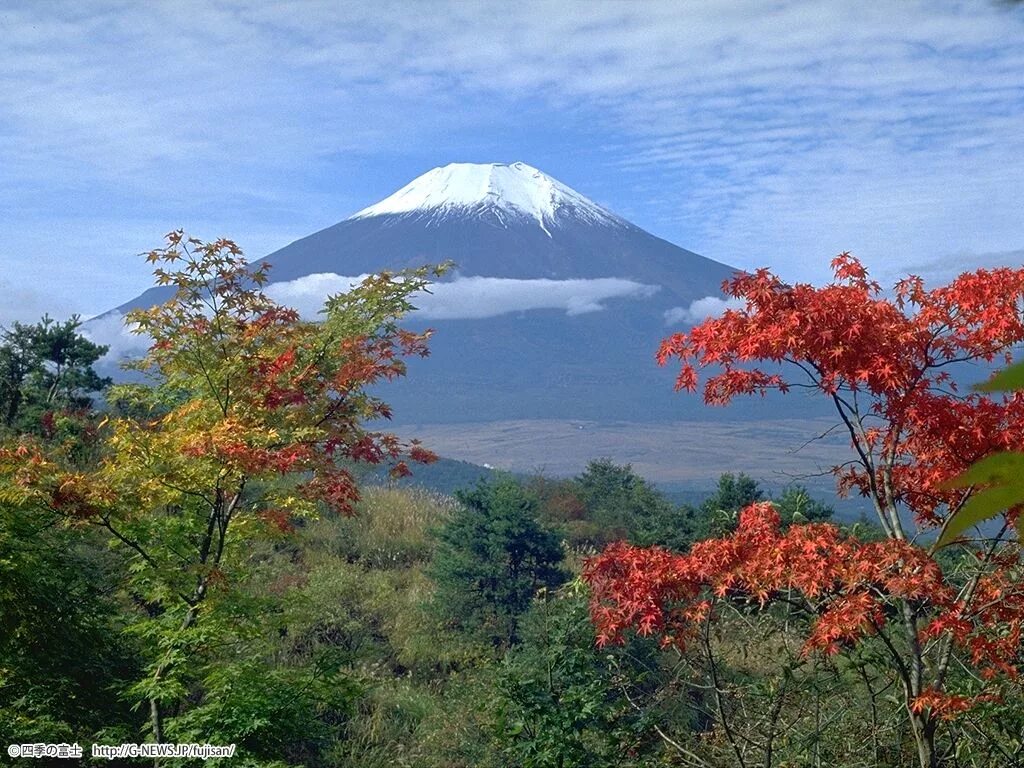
491	189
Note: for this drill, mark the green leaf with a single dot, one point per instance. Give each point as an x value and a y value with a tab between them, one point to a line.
999	468
1008	380
982	506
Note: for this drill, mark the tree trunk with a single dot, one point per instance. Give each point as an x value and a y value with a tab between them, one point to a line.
157	720
924	736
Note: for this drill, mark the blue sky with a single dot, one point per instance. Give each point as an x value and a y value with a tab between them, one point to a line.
756	133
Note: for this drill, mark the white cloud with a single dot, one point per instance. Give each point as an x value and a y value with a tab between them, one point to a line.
110	330
701	309
473	297
752	133
307	294
458	299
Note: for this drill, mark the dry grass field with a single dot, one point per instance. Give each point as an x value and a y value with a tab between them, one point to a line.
694	452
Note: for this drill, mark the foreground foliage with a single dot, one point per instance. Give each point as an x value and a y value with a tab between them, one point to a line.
196	562
240	432
886	367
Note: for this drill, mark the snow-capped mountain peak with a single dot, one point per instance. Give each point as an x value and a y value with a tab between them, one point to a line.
491	189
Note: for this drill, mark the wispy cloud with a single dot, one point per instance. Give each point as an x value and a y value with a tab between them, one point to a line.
756	134
943	269
27	304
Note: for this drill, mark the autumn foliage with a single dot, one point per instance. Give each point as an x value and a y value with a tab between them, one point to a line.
890	366
243	388
252	419
851	589
887	364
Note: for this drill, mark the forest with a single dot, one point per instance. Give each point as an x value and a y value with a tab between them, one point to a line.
201	553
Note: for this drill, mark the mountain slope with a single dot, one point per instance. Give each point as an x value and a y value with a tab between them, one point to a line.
555	308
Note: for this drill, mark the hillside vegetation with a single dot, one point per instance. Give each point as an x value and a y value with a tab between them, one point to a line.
202	559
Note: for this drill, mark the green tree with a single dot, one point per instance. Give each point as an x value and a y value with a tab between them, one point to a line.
613	502
796	505
734	492
46	367
618	500
493	556
60	634
563	703
718	513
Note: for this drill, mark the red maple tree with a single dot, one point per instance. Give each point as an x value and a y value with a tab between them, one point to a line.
886	364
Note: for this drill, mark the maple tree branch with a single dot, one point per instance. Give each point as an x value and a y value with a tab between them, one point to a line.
951	513
206	375
889	461
693	757
716	687
218	319
815	381
967	595
185	491
228	514
894	653
211	522
866	462
191	261
104	521
909	617
331	410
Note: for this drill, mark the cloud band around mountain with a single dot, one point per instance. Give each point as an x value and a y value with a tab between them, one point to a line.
464	298
470	298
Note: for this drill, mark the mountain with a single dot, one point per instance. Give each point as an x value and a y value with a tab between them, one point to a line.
555	309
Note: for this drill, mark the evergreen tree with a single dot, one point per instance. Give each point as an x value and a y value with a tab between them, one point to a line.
720	510
46	367
562	702
63	658
796	505
493	556
620	504
734	492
